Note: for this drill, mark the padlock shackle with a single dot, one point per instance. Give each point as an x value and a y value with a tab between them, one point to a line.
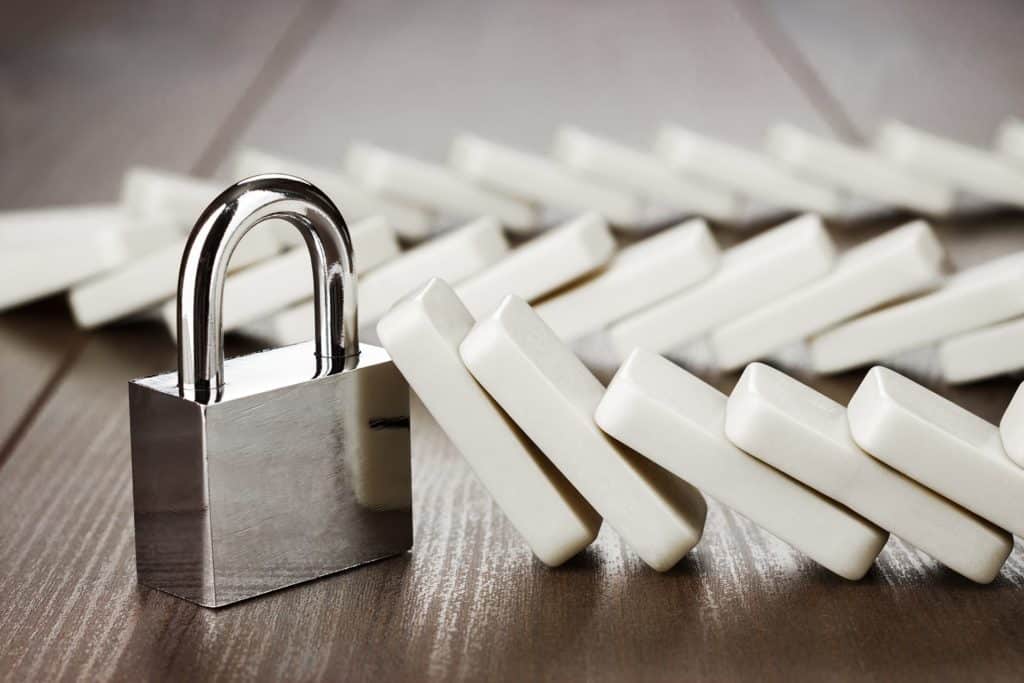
204	267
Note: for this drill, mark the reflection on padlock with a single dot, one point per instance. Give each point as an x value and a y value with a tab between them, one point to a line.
278	467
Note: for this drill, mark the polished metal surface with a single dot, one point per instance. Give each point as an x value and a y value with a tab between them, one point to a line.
295	466
205	262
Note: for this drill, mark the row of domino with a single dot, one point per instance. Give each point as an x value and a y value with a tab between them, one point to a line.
558	452
725	299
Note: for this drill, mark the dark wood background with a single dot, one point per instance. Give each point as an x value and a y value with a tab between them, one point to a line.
88	88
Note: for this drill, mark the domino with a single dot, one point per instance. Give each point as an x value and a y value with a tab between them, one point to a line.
536	179
277	283
642	174
973	298
179	198
678	421
902	261
941	445
542	265
1010	140
356	203
422	333
744	171
963	166
983	353
751	274
147	281
858	171
640	275
551	395
452	257
435	188
805	434
1011	428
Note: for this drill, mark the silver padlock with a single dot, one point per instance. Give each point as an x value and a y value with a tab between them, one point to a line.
278	467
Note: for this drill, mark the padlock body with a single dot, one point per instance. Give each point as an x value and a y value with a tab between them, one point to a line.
291	473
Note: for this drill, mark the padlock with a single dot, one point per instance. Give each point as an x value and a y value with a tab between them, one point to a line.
278	467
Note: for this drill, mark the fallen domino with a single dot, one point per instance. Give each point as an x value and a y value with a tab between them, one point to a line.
939	444
745	171
805	434
969	168
422	334
536	179
180	198
858	171
640	275
275	284
983	353
551	395
973	298
1010	140
900	262
678	421
642	174
355	202
1011	428
453	257
749	275
542	265
435	188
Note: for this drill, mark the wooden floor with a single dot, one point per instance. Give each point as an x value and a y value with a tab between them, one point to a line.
87	88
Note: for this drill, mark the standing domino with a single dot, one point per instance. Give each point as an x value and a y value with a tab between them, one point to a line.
900	262
642	174
542	265
943	446
434	188
805	434
552	396
678	421
640	275
973	298
750	275
536	179
422	333
1011	427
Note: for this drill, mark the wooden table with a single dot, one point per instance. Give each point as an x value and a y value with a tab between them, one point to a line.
87	88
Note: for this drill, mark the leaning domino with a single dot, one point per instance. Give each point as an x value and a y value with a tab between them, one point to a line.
422	333
805	434
640	275
167	195
983	353
941	445
1010	140
1011	427
552	396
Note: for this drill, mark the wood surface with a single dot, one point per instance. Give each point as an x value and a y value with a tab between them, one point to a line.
107	84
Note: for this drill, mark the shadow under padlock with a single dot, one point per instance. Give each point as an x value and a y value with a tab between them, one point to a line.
278	467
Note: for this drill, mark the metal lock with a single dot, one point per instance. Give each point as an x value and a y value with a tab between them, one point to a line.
278	467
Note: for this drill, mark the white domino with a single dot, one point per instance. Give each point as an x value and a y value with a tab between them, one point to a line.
1011	427
805	434
552	396
536	179
983	353
1010	140
277	283
422	334
452	257
640	275
642	174
858	171
678	421
542	265
180	198
149	280
903	261
970	168
941	445
434	188
973	298
745	171
749	275
355	202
